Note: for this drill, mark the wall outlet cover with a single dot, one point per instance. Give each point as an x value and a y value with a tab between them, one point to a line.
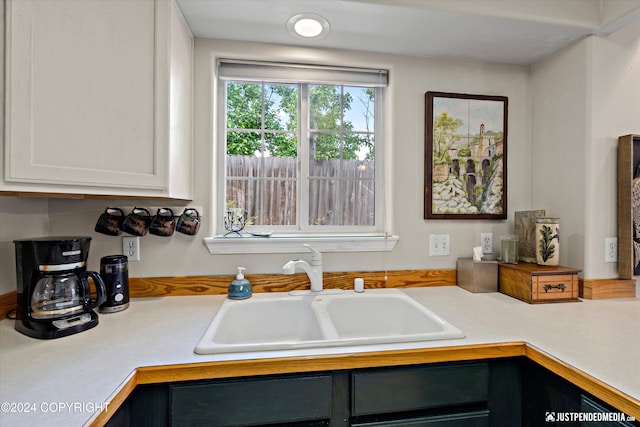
486	241
131	248
611	249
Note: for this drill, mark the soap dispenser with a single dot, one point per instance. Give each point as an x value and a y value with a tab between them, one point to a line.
240	288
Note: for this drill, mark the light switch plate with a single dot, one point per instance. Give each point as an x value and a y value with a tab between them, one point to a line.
438	244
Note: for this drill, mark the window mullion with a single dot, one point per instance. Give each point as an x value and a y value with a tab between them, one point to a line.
303	157
380	204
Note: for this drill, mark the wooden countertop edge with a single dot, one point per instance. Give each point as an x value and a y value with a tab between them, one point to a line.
599	389
251	367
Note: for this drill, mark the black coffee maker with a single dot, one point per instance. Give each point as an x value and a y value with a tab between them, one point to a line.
54	296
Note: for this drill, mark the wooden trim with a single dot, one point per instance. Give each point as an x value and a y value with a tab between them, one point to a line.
244	368
218	285
607	288
115	400
599	389
8	302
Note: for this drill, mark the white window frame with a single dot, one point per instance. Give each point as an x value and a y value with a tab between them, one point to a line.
290	239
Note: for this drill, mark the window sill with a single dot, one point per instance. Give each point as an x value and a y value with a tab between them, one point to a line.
292	243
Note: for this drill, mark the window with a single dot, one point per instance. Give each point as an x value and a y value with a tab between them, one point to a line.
302	146
300	149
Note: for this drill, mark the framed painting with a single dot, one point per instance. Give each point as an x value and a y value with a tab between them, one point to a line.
465	160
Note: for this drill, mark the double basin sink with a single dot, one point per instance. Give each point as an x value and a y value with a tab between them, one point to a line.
332	318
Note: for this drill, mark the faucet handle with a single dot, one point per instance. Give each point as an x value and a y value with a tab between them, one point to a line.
316	257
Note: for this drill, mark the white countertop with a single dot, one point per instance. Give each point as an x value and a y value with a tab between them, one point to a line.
61	382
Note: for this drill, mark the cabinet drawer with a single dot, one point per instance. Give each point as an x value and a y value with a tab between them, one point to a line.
421	387
467	419
560	286
251	402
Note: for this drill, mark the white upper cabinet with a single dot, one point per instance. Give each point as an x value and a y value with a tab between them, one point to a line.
98	98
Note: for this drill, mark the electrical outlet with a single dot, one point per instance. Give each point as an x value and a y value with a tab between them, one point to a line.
486	241
611	249
131	247
438	244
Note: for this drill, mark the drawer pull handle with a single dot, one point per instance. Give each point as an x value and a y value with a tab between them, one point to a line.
561	286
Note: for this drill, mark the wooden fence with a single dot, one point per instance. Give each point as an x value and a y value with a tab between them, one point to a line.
341	192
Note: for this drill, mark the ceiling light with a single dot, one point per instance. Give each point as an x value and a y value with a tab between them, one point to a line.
308	26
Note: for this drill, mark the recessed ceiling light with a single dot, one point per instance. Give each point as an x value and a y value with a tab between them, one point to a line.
308	26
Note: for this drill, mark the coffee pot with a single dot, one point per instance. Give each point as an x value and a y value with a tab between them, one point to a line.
60	295
54	294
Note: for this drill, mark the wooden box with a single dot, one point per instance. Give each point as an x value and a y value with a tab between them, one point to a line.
537	284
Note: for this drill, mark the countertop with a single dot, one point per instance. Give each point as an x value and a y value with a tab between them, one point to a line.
64	381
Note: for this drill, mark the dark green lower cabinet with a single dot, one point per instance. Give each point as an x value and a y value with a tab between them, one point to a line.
603	417
467	419
255	402
418	388
550	400
508	392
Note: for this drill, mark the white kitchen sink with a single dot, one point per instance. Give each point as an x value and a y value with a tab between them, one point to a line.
385	316
280	321
266	321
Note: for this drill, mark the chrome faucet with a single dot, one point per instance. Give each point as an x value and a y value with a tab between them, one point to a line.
314	271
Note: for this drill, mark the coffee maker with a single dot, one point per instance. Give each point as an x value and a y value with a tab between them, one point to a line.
54	296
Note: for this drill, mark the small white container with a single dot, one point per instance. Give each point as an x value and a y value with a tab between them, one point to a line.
358	284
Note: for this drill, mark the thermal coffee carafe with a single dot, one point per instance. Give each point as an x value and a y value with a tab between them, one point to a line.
54	296
115	273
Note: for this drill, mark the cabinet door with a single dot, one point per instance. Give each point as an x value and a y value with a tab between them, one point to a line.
252	402
608	417
83	82
468	419
417	388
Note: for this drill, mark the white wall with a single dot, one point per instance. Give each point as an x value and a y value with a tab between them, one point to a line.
559	145
19	218
615	111
584	97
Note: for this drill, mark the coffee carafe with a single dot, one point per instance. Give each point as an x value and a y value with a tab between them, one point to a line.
54	294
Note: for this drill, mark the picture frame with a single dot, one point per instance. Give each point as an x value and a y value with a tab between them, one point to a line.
465	160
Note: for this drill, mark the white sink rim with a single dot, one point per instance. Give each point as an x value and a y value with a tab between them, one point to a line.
318	304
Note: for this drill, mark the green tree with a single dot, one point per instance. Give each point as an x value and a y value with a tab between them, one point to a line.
444	136
244	111
327	105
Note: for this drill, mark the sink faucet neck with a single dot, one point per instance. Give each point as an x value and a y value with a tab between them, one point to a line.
316	257
313	270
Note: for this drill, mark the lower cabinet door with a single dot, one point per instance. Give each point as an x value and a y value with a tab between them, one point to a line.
467	419
602	417
251	402
379	391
